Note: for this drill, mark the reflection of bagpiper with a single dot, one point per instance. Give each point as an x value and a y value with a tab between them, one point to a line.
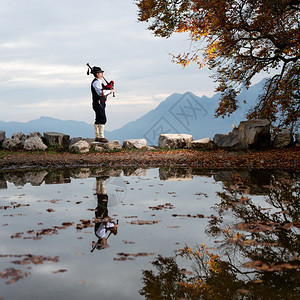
104	225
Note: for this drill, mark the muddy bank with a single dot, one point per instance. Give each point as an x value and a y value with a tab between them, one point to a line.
215	159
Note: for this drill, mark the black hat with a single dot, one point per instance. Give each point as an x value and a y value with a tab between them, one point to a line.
96	70
93	70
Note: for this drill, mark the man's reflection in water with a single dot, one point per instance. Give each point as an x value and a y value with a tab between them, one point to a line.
104	225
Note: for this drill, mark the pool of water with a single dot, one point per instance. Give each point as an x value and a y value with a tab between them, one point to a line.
49	248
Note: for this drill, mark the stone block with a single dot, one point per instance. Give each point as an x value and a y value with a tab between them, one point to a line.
283	139
34	143
80	147
205	144
110	146
56	139
175	141
134	143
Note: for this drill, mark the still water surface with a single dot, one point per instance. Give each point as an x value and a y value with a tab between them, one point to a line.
49	249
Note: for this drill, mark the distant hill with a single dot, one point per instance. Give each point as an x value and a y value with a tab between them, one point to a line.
179	113
186	113
44	124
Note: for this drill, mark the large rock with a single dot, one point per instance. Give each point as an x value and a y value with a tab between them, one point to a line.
16	142
56	139
254	134
80	147
229	141
175	141
283	139
134	143
19	136
33	134
12	144
205	144
110	146
34	143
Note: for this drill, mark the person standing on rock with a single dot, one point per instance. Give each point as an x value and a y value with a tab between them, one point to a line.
99	95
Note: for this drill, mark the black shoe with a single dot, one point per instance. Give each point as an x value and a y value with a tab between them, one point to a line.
103	140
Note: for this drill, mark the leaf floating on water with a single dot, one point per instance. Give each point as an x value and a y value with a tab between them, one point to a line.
189	216
142	222
17	235
162	206
59	271
65	224
201	194
128	242
130	256
14	274
84	224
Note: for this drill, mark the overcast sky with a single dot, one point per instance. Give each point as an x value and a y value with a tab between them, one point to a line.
44	48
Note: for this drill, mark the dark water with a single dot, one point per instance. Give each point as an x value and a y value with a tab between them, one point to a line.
240	230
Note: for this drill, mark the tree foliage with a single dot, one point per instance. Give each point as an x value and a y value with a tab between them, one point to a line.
257	253
238	39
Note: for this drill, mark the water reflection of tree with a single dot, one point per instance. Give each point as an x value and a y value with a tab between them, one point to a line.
258	250
267	234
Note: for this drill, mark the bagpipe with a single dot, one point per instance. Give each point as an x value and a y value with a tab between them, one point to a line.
109	85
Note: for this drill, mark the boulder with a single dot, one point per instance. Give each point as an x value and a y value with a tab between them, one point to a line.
283	139
253	134
75	140
16	142
205	143
12	144
110	146
34	143
175	141
80	147
56	139
36	133
19	136
134	143
229	141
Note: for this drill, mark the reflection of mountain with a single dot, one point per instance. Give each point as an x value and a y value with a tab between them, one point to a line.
257	180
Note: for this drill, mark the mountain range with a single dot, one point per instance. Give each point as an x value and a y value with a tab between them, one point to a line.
179	113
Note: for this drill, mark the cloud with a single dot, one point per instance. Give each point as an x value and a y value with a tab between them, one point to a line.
44	47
